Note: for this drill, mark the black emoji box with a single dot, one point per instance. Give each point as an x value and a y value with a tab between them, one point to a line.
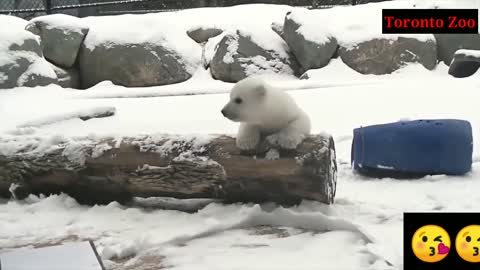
441	240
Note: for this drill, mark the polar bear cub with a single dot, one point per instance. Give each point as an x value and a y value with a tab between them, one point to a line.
266	112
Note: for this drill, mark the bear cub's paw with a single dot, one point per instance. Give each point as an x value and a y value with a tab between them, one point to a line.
272	154
285	140
247	141
248	137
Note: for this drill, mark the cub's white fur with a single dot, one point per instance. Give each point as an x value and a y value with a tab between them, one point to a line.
265	112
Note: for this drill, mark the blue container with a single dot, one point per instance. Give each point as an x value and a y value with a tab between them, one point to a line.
413	148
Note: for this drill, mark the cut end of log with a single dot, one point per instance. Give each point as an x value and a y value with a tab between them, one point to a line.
178	167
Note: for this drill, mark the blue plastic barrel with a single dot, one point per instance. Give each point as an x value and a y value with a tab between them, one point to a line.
413	148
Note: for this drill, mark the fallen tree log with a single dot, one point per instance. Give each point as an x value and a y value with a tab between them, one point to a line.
98	172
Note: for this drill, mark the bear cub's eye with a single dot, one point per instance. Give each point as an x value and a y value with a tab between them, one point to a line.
238	100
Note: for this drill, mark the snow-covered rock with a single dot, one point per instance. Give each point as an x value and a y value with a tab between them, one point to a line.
277	28
383	56
67	77
448	44
310	52
131	65
21	58
203	34
241	54
137	50
465	63
61	36
313	36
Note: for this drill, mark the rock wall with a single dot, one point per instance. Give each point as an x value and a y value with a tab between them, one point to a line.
79	53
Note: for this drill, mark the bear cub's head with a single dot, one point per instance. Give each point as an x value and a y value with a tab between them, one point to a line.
246	101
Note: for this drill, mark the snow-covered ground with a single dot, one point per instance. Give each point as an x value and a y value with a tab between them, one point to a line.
227	236
362	230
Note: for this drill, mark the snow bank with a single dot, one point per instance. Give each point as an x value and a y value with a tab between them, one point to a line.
174	114
83	114
408	72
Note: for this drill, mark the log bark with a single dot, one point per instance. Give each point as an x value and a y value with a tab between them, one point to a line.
174	166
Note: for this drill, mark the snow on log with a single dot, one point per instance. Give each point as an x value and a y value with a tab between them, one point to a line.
101	171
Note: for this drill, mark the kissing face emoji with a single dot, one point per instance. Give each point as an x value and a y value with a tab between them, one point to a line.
467	243
431	243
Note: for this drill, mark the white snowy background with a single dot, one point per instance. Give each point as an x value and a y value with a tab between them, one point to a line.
308	236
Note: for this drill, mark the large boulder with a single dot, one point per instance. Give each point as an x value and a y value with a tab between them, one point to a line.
61	37
311	51
383	56
465	63
239	55
21	58
130	65
132	51
448	44
316	36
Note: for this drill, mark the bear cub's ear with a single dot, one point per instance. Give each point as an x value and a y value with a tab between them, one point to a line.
261	90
